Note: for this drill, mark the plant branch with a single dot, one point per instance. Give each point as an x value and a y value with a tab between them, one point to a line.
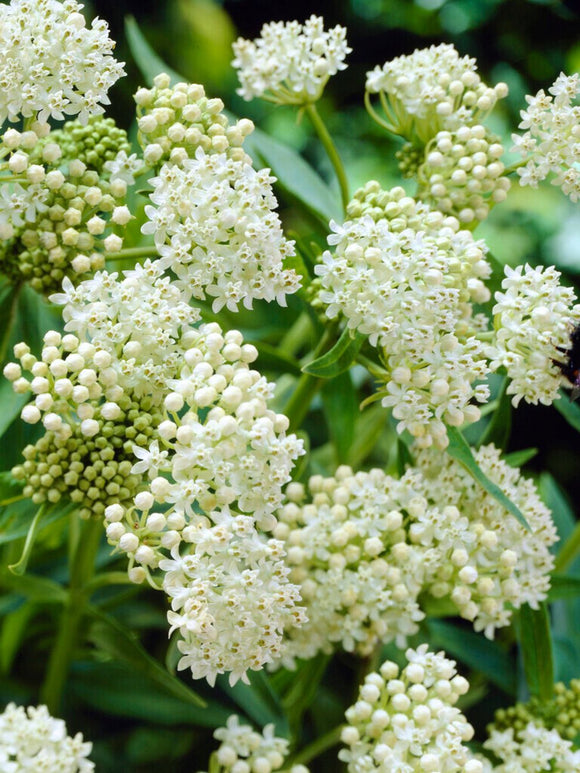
331	151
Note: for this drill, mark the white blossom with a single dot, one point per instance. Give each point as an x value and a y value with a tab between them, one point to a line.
30	739
405	719
215	227
290	63
431	90
533	750
533	320
552	140
51	64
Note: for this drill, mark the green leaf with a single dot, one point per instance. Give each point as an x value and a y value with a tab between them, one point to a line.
145	57
461	452
112	637
295	176
564	586
567	548
339	358
9	295
569	410
14	628
10	488
404	457
536	647
20	566
257	700
340	403
519	458
499	427
475	651
304	687
368	429
16	519
117	690
12	404
34	587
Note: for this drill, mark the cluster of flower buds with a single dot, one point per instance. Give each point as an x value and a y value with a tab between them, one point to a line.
462	174
174	121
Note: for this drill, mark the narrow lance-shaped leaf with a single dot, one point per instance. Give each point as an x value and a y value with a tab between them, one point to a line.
340	404
569	410
499	427
145	57
339	358
536	648
461	452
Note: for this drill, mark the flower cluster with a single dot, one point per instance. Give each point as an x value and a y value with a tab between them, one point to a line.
215	227
58	216
431	90
462	174
560	713
477	554
349	551
30	739
411	291
95	144
175	120
405	719
533	320
243	750
552	140
51	64
533	750
290	63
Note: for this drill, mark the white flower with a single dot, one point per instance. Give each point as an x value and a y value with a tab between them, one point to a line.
408	282
477	554
430	90
405	720
51	64
290	63
533	320
214	224
533	750
552	140
231	601
30	739
123	167
358	574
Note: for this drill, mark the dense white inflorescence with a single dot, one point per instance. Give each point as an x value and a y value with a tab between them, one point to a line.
533	319
411	291
552	140
290	63
215	227
405	719
30	739
476	553
51	64
431	90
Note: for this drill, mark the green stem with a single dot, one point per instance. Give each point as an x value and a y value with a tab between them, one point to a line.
5	339
297	406
315	749
331	150
134	252
296	335
568	552
81	572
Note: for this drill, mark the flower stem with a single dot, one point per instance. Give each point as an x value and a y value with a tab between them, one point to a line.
331	150
81	571
314	749
133	252
297	406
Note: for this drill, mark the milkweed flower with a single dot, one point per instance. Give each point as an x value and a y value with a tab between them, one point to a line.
214	224
405	719
552	140
174	121
51	64
247	751
431	90
477	554
532	750
407	280
533	319
30	739
290	63
359	575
